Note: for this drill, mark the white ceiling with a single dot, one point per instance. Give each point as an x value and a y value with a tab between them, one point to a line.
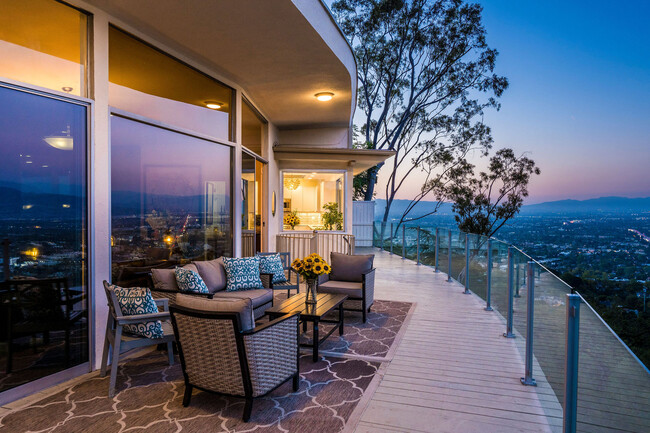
268	47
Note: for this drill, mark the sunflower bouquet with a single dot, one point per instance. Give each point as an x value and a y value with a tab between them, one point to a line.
292	219
311	266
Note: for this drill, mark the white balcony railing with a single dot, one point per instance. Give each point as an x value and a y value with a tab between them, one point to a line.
301	244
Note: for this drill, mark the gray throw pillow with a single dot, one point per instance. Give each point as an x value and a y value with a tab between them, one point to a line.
242	306
165	279
213	274
349	268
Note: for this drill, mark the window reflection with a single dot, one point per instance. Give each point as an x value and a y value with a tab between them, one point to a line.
170	199
248	232
43	302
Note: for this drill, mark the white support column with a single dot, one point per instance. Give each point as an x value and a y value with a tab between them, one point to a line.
236	187
99	263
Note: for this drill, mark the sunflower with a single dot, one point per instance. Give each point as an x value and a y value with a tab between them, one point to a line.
326	268
317	260
318	269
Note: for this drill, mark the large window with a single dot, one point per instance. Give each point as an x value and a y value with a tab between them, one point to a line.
43	294
313	200
44	42
171	200
148	82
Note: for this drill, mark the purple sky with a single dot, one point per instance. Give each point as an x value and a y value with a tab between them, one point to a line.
579	96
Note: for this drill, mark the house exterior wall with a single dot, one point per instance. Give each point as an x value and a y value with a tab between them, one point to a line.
99	228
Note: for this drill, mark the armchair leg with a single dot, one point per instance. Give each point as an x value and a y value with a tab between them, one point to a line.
296	381
115	361
188	395
364	313
248	408
107	348
170	352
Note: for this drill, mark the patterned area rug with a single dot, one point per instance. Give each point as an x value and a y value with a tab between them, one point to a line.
151	394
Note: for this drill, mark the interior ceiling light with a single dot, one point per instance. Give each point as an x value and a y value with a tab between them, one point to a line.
324	96
62	142
213	105
292	183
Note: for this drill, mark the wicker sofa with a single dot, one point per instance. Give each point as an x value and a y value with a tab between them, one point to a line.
223	352
163	285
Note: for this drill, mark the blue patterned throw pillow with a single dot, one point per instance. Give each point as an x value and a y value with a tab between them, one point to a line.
272	264
138	300
242	274
190	281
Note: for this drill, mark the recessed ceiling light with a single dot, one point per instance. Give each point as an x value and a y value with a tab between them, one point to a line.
324	96
213	105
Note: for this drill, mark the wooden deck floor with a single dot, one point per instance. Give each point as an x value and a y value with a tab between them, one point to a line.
453	370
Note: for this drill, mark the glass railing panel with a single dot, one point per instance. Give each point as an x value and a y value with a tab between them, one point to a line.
443	250
428	247
458	256
478	265
499	292
613	385
411	241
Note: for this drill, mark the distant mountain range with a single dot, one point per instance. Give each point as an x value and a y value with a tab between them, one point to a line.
608	205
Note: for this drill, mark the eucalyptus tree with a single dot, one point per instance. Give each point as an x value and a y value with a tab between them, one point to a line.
426	75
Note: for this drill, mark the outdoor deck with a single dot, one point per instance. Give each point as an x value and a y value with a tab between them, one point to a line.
453	370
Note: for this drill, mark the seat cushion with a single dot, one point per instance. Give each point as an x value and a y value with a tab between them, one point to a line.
352	289
213	273
165	279
347	267
272	264
138	300
242	306
190	281
242	273
258	297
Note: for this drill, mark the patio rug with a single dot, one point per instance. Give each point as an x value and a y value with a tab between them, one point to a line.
151	393
376	339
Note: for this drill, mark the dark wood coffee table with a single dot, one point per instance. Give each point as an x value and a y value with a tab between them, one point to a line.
325	303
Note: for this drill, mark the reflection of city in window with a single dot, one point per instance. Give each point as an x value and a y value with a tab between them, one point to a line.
170	199
313	201
43	296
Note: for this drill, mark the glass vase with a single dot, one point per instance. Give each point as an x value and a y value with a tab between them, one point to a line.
312	284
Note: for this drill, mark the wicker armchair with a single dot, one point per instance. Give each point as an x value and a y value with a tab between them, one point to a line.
286	265
217	356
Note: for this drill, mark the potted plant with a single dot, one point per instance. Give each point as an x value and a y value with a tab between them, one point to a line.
311	267
332	219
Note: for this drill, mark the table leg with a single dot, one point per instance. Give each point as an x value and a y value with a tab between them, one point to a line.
341	319
316	342
304	326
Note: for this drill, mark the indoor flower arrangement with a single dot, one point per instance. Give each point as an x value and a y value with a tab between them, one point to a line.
311	267
292	219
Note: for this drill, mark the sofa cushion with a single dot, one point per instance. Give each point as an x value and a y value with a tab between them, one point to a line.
347	267
165	279
242	273
138	300
272	264
213	273
259	297
242	306
354	290
190	281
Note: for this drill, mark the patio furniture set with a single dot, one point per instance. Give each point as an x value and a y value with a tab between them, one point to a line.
212	310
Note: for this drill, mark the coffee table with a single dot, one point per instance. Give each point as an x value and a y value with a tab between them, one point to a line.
325	303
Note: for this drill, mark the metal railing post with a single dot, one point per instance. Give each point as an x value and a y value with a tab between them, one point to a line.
571	363
530	310
509	333
437	247
449	259
403	241
417	251
391	238
488	296
517	295
467	292
374	226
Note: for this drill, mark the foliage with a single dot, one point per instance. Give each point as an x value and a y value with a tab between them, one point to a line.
484	203
311	266
292	219
333	217
361	180
422	68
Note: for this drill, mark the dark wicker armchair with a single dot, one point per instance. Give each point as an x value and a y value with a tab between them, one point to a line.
217	356
286	265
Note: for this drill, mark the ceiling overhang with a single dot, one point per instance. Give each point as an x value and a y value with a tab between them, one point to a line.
280	52
309	157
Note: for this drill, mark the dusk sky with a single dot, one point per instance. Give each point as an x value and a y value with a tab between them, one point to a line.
579	95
